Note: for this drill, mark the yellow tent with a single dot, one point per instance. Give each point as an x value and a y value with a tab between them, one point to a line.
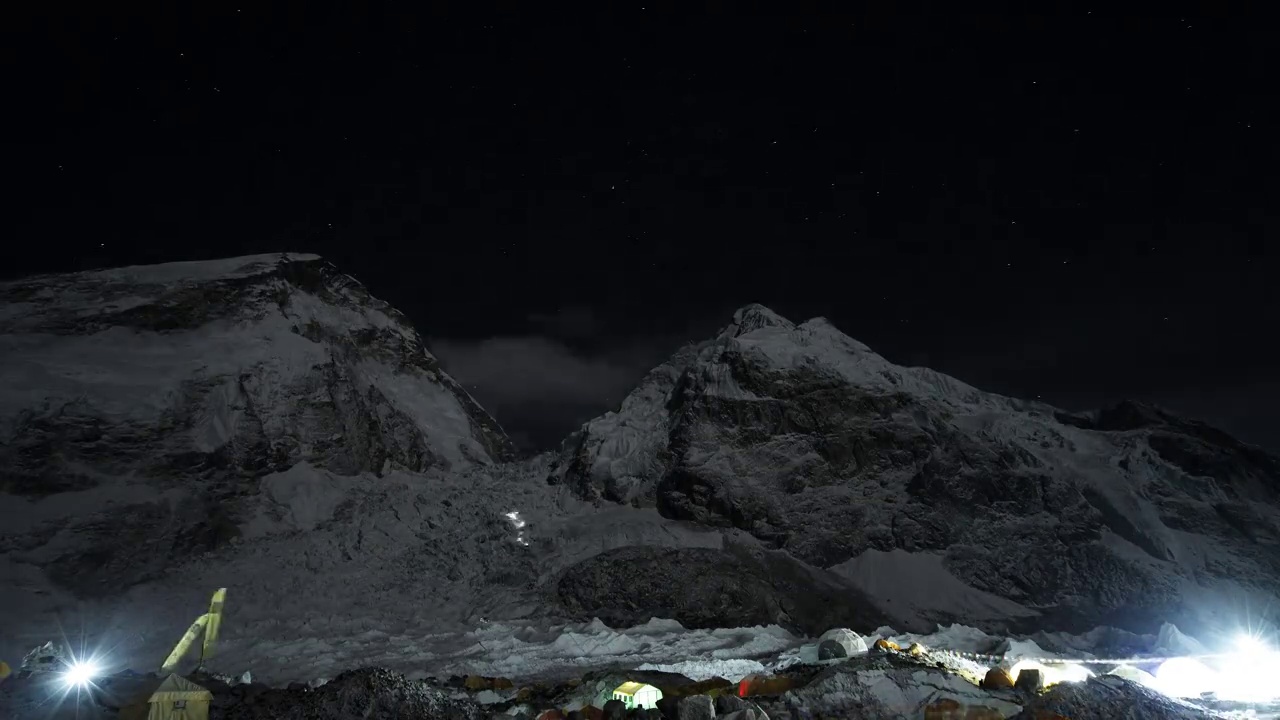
4	670
175	698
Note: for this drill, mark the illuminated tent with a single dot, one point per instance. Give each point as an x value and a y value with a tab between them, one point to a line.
634	694
174	698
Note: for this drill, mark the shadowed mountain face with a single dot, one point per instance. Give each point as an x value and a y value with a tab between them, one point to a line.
811	443
150	400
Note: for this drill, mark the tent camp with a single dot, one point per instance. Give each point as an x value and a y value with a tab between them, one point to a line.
634	694
173	698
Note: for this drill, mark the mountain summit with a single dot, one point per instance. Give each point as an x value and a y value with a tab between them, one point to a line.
152	399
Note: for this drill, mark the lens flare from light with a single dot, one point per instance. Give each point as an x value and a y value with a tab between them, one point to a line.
1068	673
1249	645
81	673
1249	675
1185	678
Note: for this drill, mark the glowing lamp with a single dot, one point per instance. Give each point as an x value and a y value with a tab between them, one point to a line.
1185	678
80	674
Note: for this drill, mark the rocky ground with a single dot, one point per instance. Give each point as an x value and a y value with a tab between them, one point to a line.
879	684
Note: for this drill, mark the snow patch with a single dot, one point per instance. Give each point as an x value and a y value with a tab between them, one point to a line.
910	587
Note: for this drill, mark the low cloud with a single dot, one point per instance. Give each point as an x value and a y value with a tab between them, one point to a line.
537	387
567	367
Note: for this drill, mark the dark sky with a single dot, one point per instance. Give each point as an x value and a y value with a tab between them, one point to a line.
1075	205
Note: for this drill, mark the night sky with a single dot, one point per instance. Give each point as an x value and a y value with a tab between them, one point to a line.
1076	206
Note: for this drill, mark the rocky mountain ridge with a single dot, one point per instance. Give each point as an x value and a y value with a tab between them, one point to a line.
813	444
141	407
265	423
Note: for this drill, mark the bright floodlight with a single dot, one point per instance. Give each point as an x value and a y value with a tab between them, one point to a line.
80	674
1249	675
1185	677
1250	645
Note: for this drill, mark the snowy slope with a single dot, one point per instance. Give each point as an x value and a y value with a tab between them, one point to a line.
941	502
141	407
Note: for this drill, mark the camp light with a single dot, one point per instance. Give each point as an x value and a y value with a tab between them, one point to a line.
1249	673
1185	677
81	673
514	517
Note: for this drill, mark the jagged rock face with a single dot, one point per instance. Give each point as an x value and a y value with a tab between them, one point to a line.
150	400
815	445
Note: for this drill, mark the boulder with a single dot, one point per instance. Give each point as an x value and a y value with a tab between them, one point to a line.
476	682
615	710
711	686
1030	680
696	707
744	714
944	709
727	703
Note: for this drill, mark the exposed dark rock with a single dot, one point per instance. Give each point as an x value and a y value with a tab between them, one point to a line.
1029	680
696	707
726	704
614	710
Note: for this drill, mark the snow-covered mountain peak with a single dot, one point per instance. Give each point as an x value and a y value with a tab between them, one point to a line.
750	318
776	344
815	445
237	345
140	407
